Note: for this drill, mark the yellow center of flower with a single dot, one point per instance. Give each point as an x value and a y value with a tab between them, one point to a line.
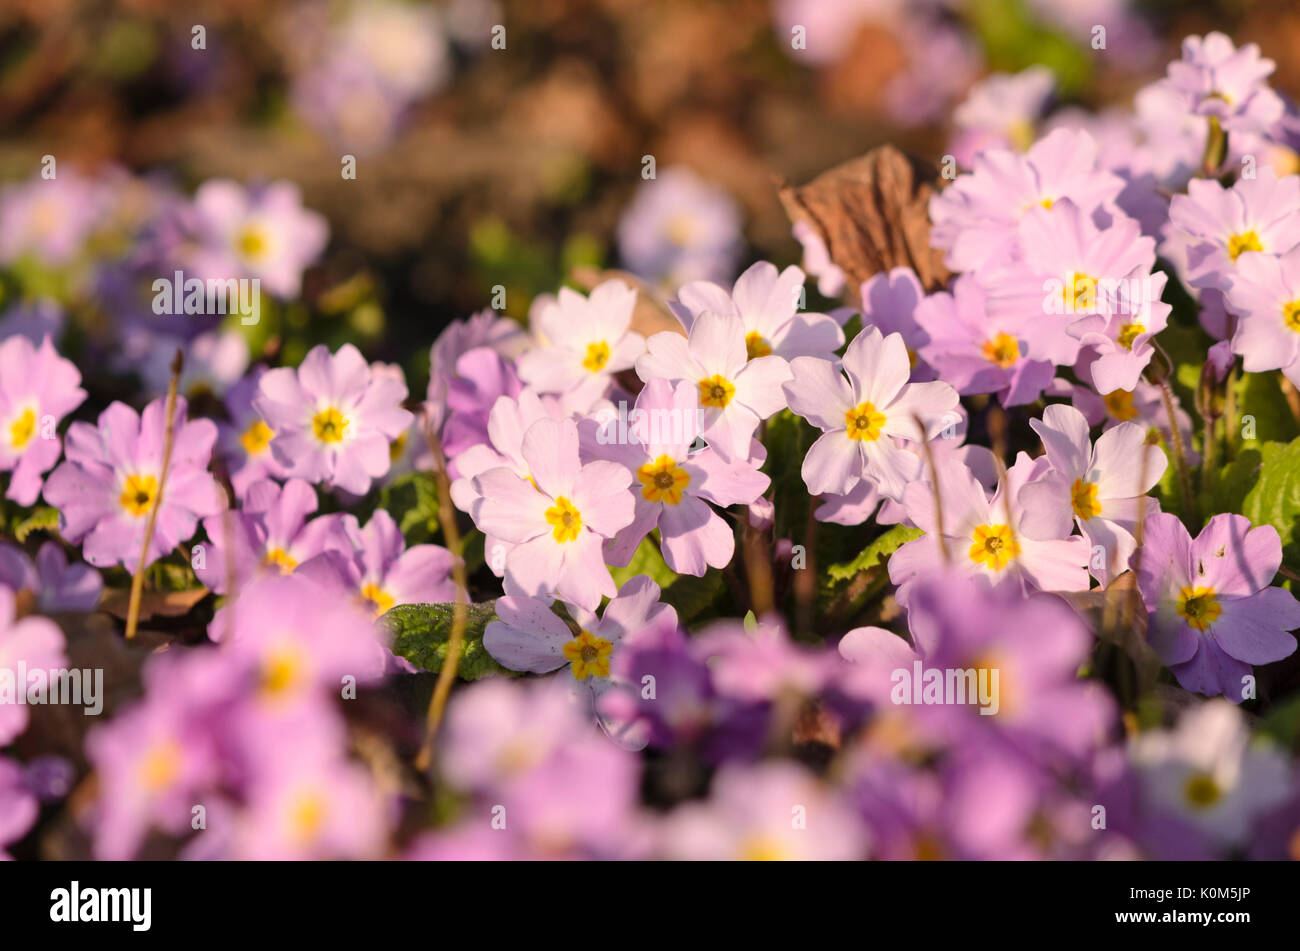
1240	243
329	425
1079	293
597	356
160	767
663	480
1201	791
1119	403
993	546
252	242
1083	497
565	520
864	422
256	437
138	493
279	558
1004	350
679	230
396	448
762	849
379	599
1199	607
307	816
1128	333
1021	134
1291	315
22	429
588	655
716	391
756	346
282	670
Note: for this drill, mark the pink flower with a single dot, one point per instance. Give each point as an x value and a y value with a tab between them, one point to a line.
333	418
735	392
57	585
112	479
583	342
37	389
860	417
383	572
767	303
36	642
1097	487
557	519
1265	294
674	486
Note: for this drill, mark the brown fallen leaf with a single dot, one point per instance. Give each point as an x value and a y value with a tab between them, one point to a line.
872	213
152	603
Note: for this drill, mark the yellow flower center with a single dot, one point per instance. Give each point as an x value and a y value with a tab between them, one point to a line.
256	437
1201	791
1080	293
588	655
1004	350
307	816
663	480
716	391
329	425
1199	607
1240	243
762	849
396	448
597	356
160	766
252	242
864	422
279	558
379	599
1119	403
993	546
1291	315
756	346
138	494
1128	333
282	670
23	429
679	230
1083	497
565	520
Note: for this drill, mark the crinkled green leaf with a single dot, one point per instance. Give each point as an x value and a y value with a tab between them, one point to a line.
691	597
412	500
1274	498
42	519
875	553
1263	410
420	633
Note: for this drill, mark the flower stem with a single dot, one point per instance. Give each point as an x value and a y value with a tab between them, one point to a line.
460	610
1180	454
137	579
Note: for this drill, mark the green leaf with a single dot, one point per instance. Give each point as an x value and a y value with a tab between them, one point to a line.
1259	397
1263	484
875	553
691	597
42	519
1283	723
420	633
412	500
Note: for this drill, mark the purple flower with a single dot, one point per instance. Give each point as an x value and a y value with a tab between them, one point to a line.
112	479
817	260
1000	112
1265	294
673	486
269	534
889	302
57	585
486	328
1122	339
557	519
245	442
1099	487
383	572
482	377
680	228
39	388
774	811
1212	612
333	418
767	303
976	218
1218	225
583	342
18	805
860	418
36	642
261	232
986	537
978	352
49	218
1215	78
735	391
